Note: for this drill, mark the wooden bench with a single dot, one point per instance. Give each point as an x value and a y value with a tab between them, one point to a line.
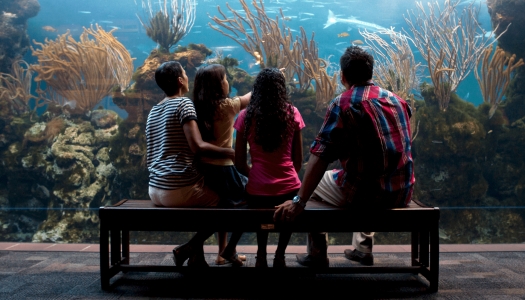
141	215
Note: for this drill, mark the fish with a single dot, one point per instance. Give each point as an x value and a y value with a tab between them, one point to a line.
71	103
49	28
308	14
317	5
287	18
332	19
437	142
343	34
493	110
84	12
357	42
225	48
8	15
341	43
304	19
490	131
466	96
106	22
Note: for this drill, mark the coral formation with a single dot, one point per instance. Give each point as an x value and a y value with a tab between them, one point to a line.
144	93
14	41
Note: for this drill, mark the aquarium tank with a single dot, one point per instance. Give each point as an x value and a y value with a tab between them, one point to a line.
77	84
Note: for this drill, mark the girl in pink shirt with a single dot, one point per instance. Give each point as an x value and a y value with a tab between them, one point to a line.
271	126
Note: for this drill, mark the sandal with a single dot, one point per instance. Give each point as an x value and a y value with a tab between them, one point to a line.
233	258
220	261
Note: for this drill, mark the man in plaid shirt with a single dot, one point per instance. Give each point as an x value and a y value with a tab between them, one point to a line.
367	129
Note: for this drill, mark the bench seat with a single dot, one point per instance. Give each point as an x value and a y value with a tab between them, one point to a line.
142	215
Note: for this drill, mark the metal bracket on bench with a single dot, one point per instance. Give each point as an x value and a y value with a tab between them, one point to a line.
267	226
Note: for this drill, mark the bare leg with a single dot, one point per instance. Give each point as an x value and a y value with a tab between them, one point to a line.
222	239
284	239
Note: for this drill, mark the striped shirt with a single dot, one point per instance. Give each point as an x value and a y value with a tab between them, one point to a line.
169	157
368	129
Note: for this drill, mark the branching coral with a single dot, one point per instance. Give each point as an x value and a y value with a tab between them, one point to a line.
168	25
15	88
84	71
451	44
271	43
496	74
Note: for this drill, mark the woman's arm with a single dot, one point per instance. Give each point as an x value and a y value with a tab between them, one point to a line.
245	99
240	155
297	150
200	147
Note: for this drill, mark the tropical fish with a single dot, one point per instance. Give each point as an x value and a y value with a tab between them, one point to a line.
332	19
8	15
492	110
71	103
343	34
357	42
49	28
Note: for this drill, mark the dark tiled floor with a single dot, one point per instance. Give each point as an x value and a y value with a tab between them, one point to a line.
75	275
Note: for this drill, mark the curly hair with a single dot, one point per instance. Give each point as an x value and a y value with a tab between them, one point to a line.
269	110
207	96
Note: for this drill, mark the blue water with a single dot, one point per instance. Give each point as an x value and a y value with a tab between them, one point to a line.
311	15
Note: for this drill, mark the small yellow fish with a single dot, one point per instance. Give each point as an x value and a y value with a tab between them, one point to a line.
343	34
357	42
49	28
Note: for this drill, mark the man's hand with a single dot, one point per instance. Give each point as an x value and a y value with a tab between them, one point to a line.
287	212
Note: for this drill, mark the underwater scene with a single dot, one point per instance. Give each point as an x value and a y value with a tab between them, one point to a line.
77	84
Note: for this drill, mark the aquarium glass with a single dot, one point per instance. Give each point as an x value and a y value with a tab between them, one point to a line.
77	84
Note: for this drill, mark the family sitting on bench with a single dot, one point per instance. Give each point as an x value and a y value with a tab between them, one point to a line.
192	163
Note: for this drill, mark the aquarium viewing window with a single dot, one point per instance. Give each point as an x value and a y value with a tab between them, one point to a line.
77	84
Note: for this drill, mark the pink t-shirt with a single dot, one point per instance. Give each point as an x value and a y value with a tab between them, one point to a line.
271	173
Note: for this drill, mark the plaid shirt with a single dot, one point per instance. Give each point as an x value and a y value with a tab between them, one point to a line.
368	129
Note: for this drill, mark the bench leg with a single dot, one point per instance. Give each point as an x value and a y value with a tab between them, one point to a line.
125	247
423	248
415	247
104	256
115	247
434	259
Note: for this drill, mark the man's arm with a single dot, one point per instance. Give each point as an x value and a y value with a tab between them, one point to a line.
200	147
314	172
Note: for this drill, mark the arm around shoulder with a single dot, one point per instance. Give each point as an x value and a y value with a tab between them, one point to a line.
200	147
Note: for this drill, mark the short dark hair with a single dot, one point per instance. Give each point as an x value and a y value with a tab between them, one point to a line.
357	65
167	77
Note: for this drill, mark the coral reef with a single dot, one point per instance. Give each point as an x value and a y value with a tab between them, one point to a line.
61	171
14	41
144	93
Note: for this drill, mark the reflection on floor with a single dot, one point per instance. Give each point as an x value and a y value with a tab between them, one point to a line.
75	275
